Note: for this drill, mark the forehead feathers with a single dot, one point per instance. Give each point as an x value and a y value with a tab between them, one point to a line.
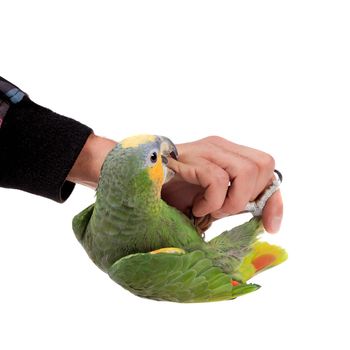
131	154
137	140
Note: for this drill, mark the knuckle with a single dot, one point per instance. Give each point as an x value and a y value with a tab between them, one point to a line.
193	174
221	177
267	161
210	150
214	138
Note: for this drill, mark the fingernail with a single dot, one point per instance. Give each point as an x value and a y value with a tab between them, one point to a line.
276	223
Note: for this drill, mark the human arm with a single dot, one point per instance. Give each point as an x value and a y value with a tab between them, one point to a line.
38	147
45	153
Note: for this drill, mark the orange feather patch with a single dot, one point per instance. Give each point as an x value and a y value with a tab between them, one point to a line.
263	261
234	283
156	174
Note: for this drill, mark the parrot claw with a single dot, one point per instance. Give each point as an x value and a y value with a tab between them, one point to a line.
256	207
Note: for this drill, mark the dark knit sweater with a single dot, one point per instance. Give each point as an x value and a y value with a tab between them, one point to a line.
38	147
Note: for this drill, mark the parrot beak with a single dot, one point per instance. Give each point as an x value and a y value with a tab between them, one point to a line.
167	149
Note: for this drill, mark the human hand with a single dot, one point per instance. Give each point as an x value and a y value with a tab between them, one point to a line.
204	170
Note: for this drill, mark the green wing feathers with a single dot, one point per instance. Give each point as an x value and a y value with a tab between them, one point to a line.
217	273
188	277
81	220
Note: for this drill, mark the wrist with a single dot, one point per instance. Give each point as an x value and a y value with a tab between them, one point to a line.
87	167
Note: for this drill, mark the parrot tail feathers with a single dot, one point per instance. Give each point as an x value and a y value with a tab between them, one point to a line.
237	241
261	257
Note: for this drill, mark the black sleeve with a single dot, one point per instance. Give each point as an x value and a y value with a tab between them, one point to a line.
37	146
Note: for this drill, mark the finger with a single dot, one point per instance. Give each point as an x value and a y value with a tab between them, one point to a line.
187	172
243	174
239	193
273	213
210	177
236	165
264	161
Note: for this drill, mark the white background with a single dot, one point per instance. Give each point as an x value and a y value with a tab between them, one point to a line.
273	75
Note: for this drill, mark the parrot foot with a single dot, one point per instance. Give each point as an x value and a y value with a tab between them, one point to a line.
256	207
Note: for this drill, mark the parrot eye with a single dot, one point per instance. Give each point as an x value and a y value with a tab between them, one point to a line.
154	157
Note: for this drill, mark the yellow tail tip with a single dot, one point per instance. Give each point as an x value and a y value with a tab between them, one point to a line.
262	257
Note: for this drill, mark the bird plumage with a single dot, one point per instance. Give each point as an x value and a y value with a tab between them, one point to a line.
129	221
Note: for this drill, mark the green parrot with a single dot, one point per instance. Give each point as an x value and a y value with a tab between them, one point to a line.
154	250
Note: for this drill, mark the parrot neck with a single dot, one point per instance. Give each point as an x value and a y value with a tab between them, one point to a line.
126	203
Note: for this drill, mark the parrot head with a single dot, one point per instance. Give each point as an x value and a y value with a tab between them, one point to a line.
138	165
